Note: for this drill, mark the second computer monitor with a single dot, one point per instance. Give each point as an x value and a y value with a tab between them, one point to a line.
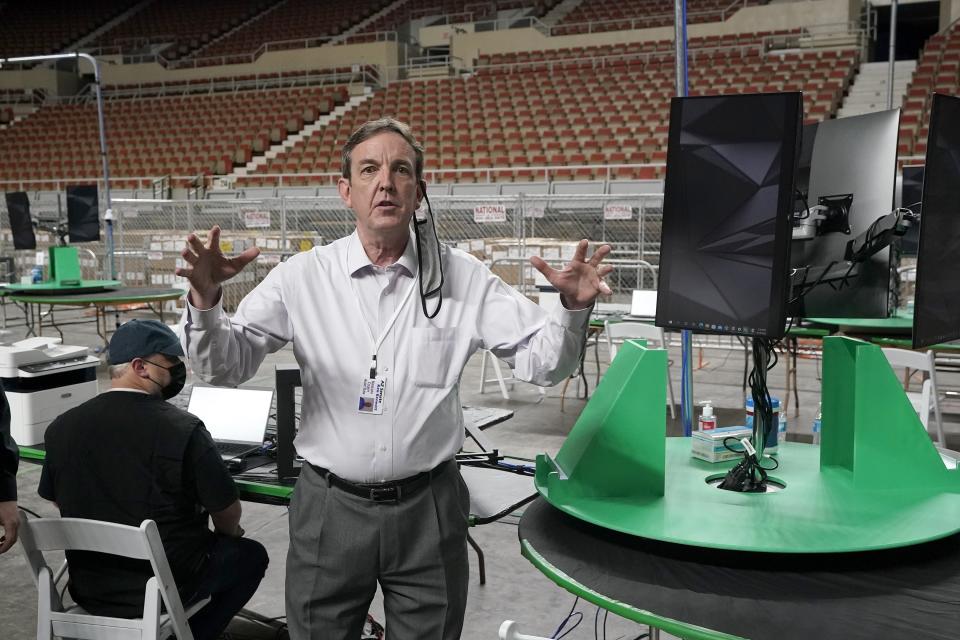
727	210
855	157
936	315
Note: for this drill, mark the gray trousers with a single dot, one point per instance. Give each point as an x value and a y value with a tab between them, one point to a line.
341	545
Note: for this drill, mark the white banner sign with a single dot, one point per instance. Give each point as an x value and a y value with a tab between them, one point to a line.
533	210
614	211
490	213
256	219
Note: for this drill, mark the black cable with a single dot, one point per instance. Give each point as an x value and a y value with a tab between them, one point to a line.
416	230
34	514
567	619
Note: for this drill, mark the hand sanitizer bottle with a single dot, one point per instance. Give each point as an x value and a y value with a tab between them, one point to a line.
707	421
816	424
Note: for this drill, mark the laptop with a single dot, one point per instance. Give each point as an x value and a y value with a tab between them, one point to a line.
236	418
644	303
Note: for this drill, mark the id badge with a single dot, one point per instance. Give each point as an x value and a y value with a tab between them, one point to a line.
371	396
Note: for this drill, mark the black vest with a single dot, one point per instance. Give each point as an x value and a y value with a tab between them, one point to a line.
120	457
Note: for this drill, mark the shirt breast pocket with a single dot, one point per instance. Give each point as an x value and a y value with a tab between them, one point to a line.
433	353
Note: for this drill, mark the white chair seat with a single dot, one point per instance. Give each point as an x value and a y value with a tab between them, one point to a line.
927	399
141	543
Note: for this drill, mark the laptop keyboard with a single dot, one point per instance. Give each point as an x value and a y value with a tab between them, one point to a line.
233	449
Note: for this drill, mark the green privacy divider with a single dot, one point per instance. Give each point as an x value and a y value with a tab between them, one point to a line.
870	429
616	447
880	482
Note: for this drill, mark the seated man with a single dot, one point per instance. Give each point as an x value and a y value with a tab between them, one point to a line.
127	456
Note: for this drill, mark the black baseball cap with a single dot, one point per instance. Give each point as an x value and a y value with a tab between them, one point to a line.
140	338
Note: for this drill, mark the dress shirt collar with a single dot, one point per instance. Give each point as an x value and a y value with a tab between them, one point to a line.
357	258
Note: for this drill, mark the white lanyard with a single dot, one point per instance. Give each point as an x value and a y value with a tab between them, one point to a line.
376	342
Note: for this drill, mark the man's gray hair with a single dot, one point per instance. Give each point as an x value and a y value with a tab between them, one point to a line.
118	370
373	127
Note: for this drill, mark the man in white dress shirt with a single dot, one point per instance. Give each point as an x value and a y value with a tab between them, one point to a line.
381	499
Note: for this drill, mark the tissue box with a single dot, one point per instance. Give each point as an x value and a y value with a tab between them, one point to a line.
708	445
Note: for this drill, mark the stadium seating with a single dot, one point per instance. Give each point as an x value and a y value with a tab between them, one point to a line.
179	136
938	71
292	22
617	15
185	24
34	28
577	115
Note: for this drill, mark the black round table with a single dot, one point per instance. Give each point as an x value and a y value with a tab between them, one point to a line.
909	593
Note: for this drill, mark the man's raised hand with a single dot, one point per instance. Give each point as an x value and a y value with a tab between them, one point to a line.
207	267
581	281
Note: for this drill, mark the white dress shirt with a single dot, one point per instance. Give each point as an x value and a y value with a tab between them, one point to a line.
320	300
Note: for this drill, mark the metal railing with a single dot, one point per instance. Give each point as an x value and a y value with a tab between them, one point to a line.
244	58
546	173
366	74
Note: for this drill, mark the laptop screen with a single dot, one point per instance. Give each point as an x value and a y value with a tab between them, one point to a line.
644	303
232	415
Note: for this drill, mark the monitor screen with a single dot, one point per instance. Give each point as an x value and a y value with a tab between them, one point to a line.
21	225
910	194
853	157
728	203
83	215
936	314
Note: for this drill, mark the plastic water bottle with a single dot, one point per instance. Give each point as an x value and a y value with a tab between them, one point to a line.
37	274
782	427
816	424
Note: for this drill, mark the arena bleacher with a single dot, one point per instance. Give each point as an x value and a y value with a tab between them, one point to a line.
262	92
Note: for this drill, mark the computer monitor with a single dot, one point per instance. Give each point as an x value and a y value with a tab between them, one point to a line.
911	191
83	214
21	225
728	204
853	171
936	313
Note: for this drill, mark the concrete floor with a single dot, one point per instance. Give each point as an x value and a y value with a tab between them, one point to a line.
514	589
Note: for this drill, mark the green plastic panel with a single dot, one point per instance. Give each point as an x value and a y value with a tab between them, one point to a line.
880	483
616	448
65	266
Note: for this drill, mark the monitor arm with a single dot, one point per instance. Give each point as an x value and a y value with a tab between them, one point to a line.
858	250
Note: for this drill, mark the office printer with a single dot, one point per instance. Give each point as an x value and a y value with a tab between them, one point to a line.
43	378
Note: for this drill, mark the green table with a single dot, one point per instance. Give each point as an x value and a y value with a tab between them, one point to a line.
101	301
900	322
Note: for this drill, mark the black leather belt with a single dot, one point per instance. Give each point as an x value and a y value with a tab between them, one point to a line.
393	491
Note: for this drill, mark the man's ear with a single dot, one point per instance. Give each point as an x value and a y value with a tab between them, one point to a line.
137	364
343	186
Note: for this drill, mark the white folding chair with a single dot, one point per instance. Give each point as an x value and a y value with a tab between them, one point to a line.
928	398
617	332
486	354
141	543
498	376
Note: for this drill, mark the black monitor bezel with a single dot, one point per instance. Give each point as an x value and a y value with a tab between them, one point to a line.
784	224
919	295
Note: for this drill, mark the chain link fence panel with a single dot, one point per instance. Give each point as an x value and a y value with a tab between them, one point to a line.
501	231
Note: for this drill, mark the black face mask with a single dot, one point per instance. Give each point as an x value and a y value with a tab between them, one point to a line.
178	378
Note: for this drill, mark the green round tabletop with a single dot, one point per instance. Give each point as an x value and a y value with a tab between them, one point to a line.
111	296
819	511
902	319
55	288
